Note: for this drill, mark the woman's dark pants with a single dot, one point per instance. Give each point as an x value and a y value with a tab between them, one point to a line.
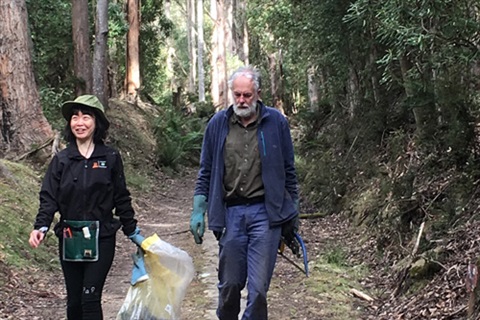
85	281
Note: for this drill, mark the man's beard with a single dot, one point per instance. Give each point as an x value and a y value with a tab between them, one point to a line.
245	113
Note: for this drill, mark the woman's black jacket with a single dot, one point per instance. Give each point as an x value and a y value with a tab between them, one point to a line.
86	189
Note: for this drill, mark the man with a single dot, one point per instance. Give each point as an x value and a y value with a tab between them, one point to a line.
248	183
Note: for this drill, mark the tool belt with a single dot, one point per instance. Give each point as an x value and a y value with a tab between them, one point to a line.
80	240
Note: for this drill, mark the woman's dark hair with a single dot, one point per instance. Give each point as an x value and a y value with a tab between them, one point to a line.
100	128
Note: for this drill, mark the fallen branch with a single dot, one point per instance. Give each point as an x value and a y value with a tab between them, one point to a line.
43	145
417	243
361	295
312	216
56	143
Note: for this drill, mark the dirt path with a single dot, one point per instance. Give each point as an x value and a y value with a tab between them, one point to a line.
166	212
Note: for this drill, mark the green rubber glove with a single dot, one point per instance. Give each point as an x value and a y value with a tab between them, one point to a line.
197	218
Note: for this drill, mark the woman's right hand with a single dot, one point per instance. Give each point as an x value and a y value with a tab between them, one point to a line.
36	237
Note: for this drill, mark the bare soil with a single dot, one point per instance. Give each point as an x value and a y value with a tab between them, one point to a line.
34	294
164	211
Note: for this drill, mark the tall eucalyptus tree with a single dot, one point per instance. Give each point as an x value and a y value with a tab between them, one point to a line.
100	58
132	77
200	56
22	123
191	42
82	61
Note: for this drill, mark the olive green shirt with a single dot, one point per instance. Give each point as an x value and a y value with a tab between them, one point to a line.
243	171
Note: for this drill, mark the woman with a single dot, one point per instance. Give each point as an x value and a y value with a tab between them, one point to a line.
85	182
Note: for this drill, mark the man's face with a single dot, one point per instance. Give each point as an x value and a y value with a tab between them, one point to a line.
245	97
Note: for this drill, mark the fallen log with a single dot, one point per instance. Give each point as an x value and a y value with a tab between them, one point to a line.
361	295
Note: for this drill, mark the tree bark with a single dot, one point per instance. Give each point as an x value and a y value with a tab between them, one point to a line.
100	52
132	79
276	86
214	87
312	89
192	53
82	60
201	71
353	96
239	30
22	123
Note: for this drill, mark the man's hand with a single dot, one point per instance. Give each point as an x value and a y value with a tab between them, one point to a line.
289	229
197	218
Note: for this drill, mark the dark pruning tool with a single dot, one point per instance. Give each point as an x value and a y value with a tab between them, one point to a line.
295	244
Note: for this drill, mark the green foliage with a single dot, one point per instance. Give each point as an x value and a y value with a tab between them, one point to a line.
155	30
117	35
117	22
332	276
51	100
51	31
336	256
179	138
398	105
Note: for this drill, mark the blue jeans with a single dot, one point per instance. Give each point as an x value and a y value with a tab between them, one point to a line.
248	251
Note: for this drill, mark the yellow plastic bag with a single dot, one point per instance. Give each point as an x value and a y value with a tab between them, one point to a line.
170	271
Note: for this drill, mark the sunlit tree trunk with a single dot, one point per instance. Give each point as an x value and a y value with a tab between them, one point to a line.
132	79
276	85
22	123
82	59
312	89
375	77
214	88
100	52
219	74
192	43
239	30
201	71
229	24
221	57
352	92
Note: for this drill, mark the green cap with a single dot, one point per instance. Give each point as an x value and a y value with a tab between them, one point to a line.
86	101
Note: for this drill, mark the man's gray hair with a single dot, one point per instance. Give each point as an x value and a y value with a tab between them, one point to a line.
249	72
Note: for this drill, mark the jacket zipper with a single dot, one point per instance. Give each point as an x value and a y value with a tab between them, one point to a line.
263	143
85	167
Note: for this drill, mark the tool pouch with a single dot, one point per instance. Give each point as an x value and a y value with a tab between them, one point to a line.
80	240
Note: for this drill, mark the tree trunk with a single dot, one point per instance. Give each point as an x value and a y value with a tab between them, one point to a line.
239	31
132	79
228	14
82	60
201	71
353	96
100	52
214	88
192	53
22	123
224	38
424	114
312	89
276	87
219	62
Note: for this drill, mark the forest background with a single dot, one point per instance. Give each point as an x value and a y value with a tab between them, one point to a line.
382	97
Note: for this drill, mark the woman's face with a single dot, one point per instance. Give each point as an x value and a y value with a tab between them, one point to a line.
82	125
